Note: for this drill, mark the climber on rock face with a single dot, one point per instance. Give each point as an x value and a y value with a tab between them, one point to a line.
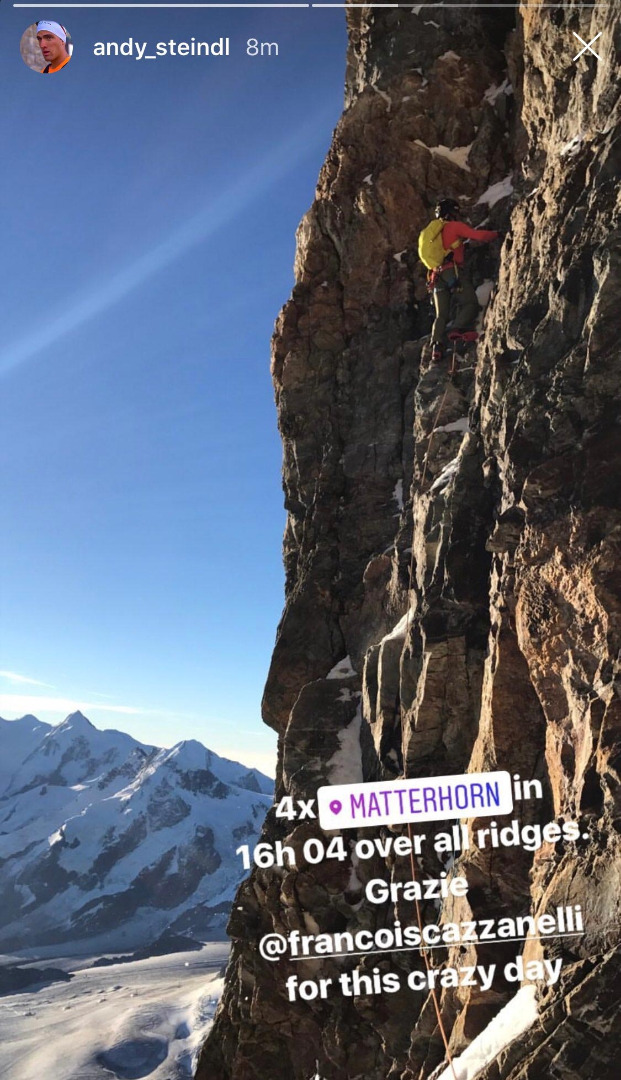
450	276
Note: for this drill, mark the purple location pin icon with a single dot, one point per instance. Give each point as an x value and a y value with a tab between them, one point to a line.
336	806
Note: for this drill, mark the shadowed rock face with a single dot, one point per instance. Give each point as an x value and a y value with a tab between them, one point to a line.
507	519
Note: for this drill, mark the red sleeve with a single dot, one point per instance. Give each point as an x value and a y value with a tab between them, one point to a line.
464	232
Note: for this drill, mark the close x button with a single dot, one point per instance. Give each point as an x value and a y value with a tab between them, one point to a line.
587	45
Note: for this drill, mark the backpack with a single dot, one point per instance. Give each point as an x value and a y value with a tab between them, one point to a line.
431	250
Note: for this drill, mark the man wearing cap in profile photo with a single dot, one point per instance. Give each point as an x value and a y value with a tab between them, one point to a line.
52	38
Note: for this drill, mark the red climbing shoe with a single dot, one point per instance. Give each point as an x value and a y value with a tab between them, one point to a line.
463	335
436	354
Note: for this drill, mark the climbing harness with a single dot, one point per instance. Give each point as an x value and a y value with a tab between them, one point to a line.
433	275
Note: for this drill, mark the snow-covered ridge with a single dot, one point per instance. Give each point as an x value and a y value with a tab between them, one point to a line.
103	835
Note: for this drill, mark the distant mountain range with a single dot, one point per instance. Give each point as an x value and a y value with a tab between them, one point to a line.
108	840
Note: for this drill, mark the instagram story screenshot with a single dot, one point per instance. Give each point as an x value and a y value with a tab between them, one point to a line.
310	541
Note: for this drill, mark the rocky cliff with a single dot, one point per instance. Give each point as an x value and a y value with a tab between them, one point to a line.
453	593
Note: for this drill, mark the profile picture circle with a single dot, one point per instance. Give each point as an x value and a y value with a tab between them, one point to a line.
46	46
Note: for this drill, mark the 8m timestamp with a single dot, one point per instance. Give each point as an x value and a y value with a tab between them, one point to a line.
254	47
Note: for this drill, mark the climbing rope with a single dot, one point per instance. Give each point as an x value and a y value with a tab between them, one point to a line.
419	919
419	916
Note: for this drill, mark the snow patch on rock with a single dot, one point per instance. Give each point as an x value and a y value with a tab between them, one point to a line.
484	292
516	1018
345	766
445	477
456	425
342	670
571	148
493	92
496	192
400	629
458	154
386	97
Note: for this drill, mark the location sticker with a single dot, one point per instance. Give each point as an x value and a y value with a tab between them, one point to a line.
435	798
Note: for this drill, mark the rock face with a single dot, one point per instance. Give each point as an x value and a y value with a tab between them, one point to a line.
452	547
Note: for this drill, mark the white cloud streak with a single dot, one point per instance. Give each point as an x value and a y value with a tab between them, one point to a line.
36	704
277	162
12	676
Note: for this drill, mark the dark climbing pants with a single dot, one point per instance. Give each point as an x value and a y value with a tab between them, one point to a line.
449	286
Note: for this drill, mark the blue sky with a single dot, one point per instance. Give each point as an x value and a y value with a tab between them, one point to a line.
148	221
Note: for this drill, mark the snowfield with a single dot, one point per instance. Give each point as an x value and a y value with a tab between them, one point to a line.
145	1019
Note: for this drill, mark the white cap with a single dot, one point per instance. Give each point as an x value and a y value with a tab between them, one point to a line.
52	28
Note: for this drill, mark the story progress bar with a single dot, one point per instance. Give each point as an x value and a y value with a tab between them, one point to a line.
414	7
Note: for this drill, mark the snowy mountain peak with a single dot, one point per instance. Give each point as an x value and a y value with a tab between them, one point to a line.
103	835
76	722
188	754
27	722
